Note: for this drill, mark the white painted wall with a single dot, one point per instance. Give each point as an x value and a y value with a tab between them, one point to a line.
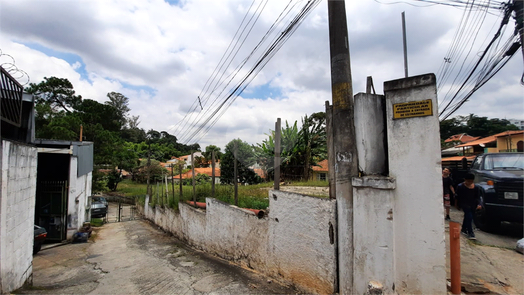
296	249
373	198
17	214
414	161
78	198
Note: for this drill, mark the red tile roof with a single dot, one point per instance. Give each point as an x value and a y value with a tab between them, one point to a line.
491	138
457	158
207	171
323	166
463	137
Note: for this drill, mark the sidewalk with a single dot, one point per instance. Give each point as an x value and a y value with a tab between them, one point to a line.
488	265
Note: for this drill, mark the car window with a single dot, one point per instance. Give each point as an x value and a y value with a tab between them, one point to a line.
504	162
476	163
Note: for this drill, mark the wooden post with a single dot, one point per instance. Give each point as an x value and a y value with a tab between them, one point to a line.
235	177
212	174
193	175
172	183
81	131
157	194
167	191
149	193
180	181
278	130
346	158
330	150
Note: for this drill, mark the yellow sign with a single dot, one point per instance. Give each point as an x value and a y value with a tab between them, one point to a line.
412	109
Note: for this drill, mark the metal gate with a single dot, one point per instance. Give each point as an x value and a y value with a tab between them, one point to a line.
51	208
121	209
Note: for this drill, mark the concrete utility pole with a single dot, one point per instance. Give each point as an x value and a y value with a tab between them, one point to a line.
346	165
518	6
405	44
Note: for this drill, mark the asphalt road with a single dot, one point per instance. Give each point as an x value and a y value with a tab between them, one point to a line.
506	236
135	257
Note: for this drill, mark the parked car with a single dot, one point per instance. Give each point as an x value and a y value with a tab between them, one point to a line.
40	236
501	179
100	199
98	208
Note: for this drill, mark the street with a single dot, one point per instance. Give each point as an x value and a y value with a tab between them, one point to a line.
490	264
135	257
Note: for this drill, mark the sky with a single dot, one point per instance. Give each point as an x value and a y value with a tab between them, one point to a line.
160	54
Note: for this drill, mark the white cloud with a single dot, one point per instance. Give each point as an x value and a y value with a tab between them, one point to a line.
128	44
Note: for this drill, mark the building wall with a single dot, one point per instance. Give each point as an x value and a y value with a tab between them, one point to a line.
418	214
78	198
294	244
509	142
374	247
17	214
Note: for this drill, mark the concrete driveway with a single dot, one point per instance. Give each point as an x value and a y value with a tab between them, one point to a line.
136	258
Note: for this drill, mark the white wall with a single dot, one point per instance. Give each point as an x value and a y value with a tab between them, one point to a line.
414	161
374	245
79	192
291	244
17	214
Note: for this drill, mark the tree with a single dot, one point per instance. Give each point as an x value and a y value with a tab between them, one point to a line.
301	148
56	92
121	105
474	125
245	158
209	150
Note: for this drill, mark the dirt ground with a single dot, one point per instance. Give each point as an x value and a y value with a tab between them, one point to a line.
490	264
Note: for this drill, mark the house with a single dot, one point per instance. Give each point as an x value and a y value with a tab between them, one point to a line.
43	182
506	141
207	171
320	171
187	159
460	138
64	179
18	169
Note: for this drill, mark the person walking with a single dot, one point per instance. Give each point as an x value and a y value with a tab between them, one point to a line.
468	196
447	183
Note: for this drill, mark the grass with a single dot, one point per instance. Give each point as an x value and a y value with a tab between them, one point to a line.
249	196
310	183
96	222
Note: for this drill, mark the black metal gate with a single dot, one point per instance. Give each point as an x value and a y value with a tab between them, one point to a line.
51	208
121	209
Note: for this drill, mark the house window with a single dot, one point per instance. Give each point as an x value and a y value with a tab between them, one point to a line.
322	176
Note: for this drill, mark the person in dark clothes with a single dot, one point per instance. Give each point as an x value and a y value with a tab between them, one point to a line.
447	183
468	196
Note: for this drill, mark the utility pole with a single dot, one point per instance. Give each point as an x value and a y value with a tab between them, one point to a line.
405	44
278	129
235	177
343	139
518	7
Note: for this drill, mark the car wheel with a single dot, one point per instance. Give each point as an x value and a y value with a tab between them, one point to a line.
36	248
484	221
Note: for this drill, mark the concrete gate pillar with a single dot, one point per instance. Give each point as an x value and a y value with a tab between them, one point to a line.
415	162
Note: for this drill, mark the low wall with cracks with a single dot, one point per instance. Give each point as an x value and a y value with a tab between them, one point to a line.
294	243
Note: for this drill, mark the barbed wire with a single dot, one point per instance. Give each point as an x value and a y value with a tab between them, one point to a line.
8	62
